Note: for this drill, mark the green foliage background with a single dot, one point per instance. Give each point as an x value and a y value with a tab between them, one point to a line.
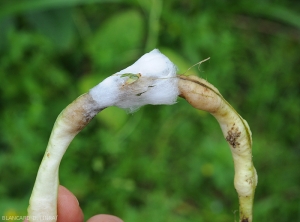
162	163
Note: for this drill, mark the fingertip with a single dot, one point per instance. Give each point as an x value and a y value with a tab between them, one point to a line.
104	218
68	208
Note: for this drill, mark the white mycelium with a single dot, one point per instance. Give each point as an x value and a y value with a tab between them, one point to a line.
154	82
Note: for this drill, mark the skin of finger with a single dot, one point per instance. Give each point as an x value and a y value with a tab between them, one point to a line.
70	211
68	208
104	218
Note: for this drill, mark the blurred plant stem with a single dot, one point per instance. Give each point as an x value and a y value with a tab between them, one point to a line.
153	24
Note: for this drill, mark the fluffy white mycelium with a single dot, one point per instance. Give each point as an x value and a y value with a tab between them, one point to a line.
150	80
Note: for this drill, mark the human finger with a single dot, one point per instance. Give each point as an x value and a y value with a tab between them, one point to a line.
104	218
68	209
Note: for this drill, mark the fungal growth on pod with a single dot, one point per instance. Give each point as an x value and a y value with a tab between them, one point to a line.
152	80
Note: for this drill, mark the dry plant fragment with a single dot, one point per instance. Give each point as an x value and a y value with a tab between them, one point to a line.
202	95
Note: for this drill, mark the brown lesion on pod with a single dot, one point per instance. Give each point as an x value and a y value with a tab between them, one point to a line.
79	113
204	96
232	136
199	93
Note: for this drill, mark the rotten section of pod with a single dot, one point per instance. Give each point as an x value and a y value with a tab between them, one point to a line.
204	96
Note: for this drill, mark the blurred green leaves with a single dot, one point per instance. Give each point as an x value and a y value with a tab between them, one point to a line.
125	32
274	12
56	24
18	6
